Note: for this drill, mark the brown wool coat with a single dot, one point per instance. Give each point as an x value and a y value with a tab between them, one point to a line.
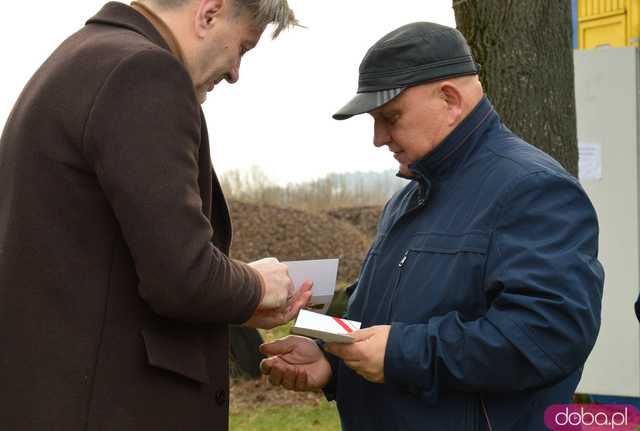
115	285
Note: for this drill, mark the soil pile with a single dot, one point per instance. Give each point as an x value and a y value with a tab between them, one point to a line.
292	234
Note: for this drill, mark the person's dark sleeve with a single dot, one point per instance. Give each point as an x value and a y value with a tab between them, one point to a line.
330	390
542	268
142	137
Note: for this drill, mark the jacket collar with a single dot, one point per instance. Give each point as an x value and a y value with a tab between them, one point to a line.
122	15
460	143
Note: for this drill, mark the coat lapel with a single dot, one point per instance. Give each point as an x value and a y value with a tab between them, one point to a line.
213	200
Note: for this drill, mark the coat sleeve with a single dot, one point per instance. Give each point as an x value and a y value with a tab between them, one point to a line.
546	283
142	137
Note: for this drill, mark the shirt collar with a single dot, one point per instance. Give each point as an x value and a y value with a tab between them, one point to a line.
161	27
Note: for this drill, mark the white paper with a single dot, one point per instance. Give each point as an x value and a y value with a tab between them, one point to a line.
323	273
589	161
327	328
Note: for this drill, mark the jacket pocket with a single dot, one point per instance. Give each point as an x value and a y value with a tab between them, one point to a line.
439	273
451	244
177	352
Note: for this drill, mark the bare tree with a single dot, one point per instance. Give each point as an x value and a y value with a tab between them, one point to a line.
333	191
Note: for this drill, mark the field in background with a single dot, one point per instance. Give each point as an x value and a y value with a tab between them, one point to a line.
353	189
333	217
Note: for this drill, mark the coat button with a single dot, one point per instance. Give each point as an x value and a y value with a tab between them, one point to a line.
221	397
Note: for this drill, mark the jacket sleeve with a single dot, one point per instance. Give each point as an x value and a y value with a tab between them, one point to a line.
546	283
330	389
142	137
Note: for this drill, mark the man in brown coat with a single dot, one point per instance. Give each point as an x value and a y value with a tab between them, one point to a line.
116	287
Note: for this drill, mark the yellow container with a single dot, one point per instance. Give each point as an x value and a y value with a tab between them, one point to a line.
613	23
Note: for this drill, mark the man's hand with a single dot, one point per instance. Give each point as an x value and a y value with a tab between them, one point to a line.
366	355
278	287
268	319
298	364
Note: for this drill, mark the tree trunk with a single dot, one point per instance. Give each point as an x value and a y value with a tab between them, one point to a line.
525	50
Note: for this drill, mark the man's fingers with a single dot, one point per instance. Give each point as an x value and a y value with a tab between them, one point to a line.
297	305
289	378
275	376
278	347
306	286
301	382
266	365
304	300
290	314
282	373
302	292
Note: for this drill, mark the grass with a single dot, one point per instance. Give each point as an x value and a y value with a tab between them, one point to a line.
323	417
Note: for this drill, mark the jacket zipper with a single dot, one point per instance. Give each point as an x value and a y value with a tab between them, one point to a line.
403	260
396	285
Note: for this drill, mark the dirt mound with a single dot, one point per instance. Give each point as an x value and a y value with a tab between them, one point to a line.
249	394
291	234
365	219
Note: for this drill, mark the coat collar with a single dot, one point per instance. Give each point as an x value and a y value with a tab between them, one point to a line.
162	27
460	143
121	15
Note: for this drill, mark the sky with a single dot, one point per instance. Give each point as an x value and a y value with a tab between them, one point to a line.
278	116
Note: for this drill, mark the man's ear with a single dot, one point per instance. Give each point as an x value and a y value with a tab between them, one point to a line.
207	13
452	96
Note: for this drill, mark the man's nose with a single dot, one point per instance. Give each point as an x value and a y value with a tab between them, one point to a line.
234	74
380	134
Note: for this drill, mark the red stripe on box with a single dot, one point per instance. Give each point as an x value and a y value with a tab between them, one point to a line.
343	324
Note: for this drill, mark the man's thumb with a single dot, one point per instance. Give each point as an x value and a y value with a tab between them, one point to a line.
278	347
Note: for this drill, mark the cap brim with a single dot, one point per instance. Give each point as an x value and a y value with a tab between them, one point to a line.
365	102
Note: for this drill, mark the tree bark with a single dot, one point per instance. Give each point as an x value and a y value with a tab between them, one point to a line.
525	50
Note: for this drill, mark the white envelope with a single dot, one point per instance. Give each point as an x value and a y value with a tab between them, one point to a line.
323	273
326	328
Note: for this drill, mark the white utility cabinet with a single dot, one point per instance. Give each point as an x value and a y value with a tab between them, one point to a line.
607	85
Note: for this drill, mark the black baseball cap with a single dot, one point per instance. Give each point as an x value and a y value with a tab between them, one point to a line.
413	54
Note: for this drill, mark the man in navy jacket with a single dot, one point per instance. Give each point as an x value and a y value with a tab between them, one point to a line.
480	297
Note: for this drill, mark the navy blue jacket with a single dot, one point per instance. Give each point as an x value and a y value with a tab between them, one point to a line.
485	265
